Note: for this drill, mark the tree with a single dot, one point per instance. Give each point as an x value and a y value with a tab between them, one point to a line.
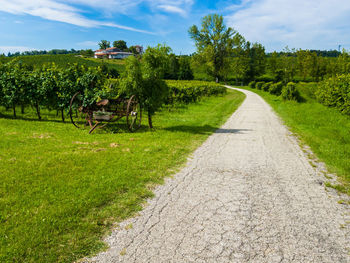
87	53
121	44
104	44
185	71
214	42
257	60
134	50
146	79
172	67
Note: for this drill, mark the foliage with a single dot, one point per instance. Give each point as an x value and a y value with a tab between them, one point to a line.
87	53
121	44
185	71
335	92
146	79
259	84
252	84
50	86
276	88
172	70
266	86
63	60
44	52
256	60
104	44
214	42
191	91
290	92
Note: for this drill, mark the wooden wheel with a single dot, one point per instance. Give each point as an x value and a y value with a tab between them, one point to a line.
78	114
133	114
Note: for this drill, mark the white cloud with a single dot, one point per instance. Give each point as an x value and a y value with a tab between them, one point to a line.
299	23
14	49
172	9
53	10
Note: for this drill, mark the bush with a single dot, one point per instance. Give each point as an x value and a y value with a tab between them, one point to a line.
276	88
252	84
182	91
265	78
290	92
259	84
266	86
335	92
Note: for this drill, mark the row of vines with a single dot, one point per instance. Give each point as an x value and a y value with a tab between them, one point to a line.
48	87
52	87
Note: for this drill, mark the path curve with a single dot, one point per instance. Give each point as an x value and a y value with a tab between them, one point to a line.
248	194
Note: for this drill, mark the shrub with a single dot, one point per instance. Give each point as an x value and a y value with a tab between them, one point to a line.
266	86
276	88
252	84
290	92
265	78
259	84
182	91
335	92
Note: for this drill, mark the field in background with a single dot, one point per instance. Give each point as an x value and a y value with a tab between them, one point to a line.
62	60
61	188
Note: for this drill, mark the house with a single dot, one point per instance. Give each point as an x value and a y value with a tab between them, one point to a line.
112	53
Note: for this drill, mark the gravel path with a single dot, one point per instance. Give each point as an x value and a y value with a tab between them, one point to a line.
248	194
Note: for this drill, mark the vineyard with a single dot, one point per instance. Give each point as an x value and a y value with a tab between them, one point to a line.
37	61
50	86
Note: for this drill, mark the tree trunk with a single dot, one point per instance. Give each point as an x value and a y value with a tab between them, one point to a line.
38	111
22	109
14	110
62	114
150	120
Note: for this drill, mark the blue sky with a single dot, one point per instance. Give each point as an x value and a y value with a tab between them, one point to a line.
81	24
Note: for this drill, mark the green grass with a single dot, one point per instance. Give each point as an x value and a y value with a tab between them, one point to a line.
61	189
62	60
324	129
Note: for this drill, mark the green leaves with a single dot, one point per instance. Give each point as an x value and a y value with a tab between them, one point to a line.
49	86
335	92
214	42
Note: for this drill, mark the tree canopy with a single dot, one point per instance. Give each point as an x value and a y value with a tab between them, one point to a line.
104	44
121	44
214	42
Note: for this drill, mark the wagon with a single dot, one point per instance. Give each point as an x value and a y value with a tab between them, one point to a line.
105	111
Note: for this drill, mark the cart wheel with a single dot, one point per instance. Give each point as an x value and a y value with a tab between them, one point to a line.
78	115
133	114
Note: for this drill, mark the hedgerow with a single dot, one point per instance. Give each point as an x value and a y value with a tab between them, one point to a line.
182	91
335	92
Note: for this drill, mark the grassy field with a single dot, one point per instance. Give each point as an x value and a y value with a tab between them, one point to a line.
61	189
62	60
324	129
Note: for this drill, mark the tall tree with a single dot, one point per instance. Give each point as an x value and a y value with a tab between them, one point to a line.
121	44
214	42
104	44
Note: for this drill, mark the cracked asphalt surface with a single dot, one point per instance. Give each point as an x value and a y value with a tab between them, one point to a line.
248	194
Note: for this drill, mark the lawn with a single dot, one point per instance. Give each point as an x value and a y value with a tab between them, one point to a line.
324	129
62	189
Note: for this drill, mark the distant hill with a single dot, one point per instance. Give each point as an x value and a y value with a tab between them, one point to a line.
63	60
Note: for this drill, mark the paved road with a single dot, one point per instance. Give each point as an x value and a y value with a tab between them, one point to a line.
248	194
